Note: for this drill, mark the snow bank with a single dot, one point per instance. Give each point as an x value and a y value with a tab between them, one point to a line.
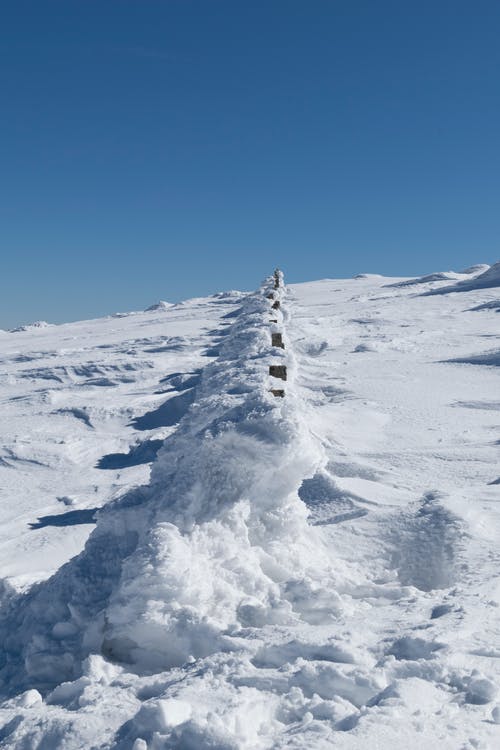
218	542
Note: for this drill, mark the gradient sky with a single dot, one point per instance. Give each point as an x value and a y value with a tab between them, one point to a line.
172	148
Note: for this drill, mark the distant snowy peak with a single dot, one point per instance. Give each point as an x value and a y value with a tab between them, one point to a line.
368	276
158	306
31	326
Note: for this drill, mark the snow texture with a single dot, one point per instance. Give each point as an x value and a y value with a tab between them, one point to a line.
191	562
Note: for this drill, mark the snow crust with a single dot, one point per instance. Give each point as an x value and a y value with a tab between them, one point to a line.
216	567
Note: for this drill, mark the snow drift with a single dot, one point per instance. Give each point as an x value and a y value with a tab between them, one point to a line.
217	542
208	610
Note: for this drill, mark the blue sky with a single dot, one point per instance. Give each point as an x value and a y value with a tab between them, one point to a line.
172	148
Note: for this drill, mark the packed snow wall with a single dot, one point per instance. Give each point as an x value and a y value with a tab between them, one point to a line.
216	544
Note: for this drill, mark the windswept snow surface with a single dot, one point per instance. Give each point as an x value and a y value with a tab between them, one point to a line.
314	571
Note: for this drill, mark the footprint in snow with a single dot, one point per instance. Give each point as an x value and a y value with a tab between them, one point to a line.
427	545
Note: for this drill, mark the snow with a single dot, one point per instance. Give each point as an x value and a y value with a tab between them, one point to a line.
191	562
368	276
487	279
31	326
477	271
428	278
161	305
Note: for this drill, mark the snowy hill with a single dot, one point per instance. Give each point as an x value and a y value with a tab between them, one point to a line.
192	562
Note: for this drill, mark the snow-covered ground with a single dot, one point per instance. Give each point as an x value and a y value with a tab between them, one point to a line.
315	571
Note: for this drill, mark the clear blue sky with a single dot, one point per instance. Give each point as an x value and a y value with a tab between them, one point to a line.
172	148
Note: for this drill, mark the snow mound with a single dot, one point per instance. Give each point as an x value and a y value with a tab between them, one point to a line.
31	326
368	276
161	305
486	280
181	568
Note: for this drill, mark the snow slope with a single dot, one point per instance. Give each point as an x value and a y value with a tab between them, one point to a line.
319	570
487	279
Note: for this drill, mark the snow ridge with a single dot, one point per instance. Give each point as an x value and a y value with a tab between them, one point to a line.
181	567
206	610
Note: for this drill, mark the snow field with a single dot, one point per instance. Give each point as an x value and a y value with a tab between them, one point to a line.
177	570
319	570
